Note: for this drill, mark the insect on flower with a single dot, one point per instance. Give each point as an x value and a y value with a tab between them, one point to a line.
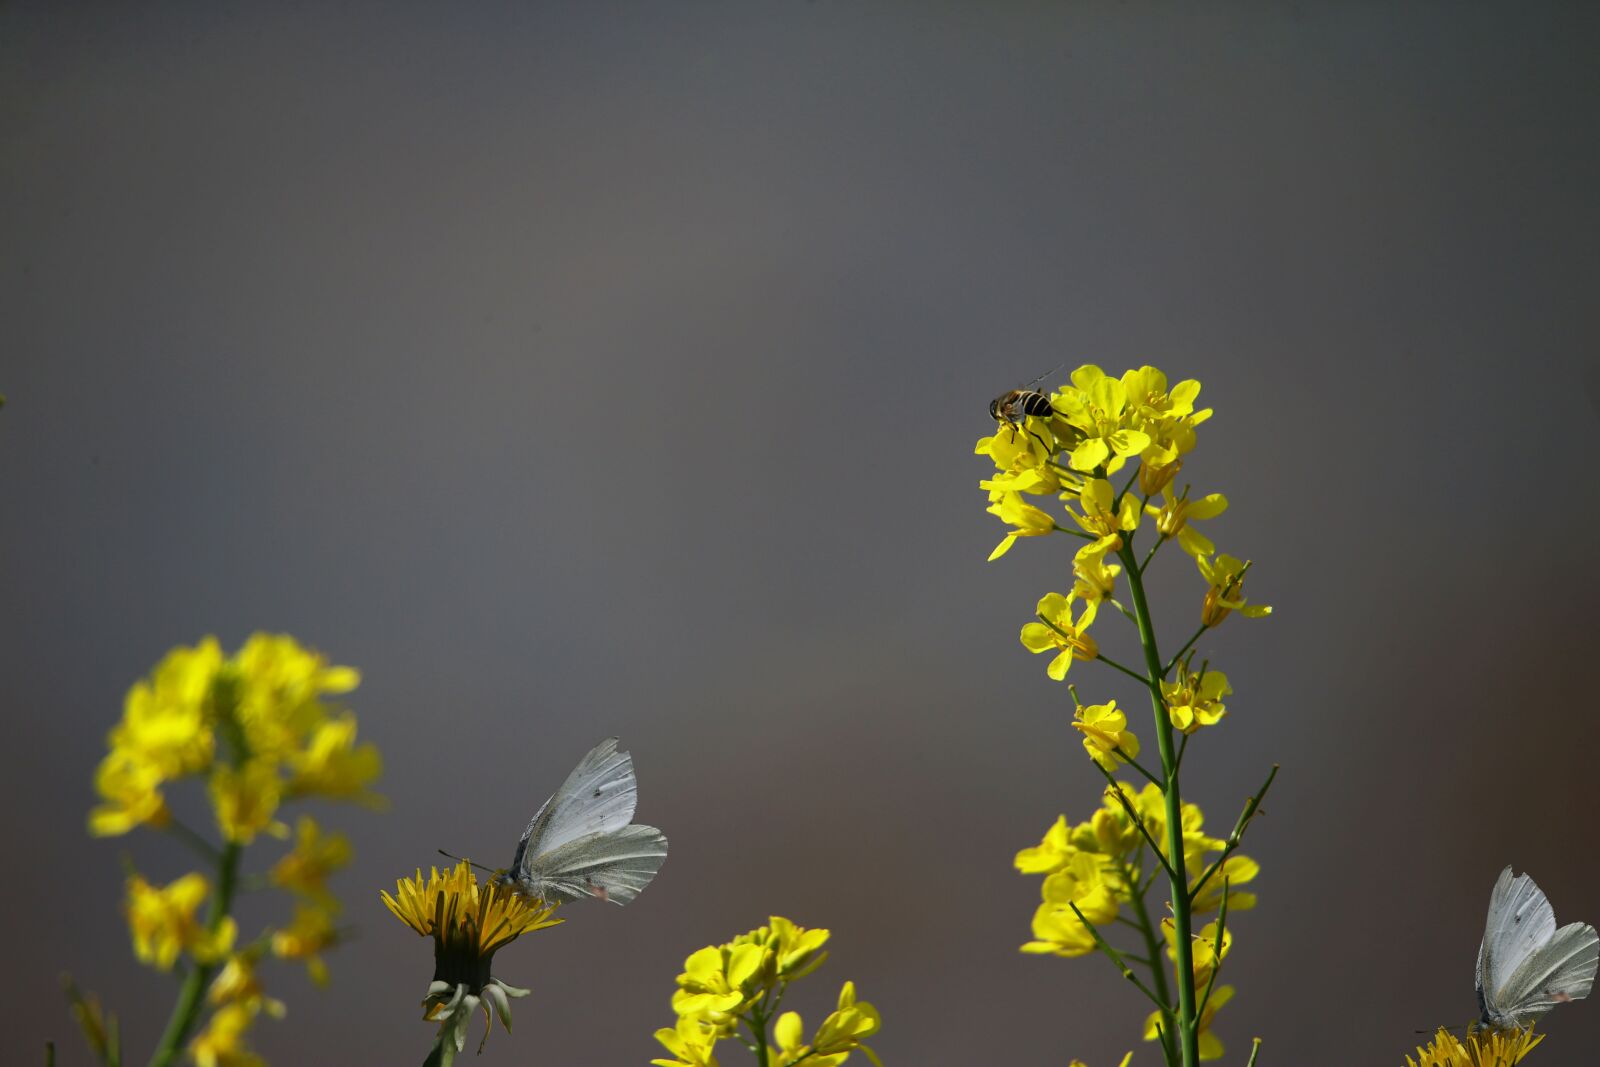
1015	406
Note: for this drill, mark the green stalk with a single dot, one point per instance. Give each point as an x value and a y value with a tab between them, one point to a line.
1152	943
1177	875
186	1012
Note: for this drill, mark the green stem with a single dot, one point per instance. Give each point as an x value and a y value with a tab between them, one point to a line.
1158	973
758	1024
194	840
1187	645
1135	675
191	996
1104	946
1177	875
1255	1048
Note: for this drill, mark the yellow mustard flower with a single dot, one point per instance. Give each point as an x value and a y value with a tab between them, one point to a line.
1097	407
690	1042
1024	519
221	1043
1057	631
1157	469
1167	415
305	869
1106	736
307	937
1203	949
130	787
1019	448
333	766
1480	1048
237	984
245	798
719	981
789	951
279	685
1050	854
1235	871
166	718
1096	579
1226	576
1210	1047
1100	514
1058	932
163	923
1195	700
840	1034
1086	884
1174	515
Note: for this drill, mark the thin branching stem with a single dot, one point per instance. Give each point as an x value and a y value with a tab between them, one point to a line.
1116	958
1250	808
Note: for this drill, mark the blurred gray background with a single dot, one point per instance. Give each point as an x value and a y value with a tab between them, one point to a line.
616	369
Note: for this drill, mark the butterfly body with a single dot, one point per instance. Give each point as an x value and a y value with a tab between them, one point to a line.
580	843
1526	966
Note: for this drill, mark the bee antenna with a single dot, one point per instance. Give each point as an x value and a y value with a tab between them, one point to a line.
462	859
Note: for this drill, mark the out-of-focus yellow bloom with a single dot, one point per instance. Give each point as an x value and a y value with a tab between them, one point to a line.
1480	1048
1236	870
1106	736
245	798
1195	700
1051	854
1058	932
237	984
1100	514
1210	1047
334	766
1057	631
1226	576
1097	406
1176	513
690	1043
163	923
1024	519
131	788
305	869
1083	883
165	718
307	937
469	922
221	1043
1203	950
840	1034
278	690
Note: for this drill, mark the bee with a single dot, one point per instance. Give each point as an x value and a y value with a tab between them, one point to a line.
1014	407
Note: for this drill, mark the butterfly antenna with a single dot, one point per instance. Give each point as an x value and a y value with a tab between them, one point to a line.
462	859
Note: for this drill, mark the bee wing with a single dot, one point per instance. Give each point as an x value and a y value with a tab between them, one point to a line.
614	865
599	796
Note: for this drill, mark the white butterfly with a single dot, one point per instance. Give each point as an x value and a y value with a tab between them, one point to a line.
1525	965
580	843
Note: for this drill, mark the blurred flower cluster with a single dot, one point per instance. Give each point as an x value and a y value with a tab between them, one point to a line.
735	990
469	922
257	730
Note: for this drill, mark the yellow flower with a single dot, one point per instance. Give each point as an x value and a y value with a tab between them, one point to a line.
1013	448
468	922
278	686
1210	1047
237	984
1097	406
1195	700
790	951
334	766
1051	854
1083	883
1106	736
840	1034
1103	516
1024	519
1058	932
1058	631
245	799
221	1043
720	980
166	718
1175	514
163	923
690	1043
1500	1048
1203	949
306	938
1096	579
315	855
1235	871
131	787
1226	576
1169	417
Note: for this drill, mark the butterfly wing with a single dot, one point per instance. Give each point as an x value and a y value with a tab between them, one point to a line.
1560	970
599	796
613	865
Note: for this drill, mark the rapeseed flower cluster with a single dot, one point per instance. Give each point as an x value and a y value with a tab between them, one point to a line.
257	731
735	990
1074	445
